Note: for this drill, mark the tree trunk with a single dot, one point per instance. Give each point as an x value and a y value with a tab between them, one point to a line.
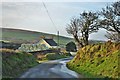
86	38
78	41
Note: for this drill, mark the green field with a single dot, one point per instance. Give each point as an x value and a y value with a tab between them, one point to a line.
24	36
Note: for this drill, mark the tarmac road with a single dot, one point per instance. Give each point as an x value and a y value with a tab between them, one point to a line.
51	69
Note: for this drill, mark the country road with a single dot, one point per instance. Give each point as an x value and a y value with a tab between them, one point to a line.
51	69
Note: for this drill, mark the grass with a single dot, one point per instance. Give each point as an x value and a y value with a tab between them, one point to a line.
98	61
14	63
54	56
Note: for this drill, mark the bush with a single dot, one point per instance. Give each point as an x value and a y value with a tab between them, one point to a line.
53	56
67	54
71	47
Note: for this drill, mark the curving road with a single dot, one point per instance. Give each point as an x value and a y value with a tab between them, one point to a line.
51	69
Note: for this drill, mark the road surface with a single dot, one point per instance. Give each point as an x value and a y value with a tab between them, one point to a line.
51	69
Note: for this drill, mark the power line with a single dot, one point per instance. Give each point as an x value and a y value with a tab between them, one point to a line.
52	23
49	16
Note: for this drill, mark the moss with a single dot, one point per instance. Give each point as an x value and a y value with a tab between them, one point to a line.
99	60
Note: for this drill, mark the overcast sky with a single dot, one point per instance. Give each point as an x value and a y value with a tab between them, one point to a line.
33	15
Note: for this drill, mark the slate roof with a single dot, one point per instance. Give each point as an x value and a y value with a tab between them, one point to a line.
51	42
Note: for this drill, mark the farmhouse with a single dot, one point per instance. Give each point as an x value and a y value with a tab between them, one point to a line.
43	44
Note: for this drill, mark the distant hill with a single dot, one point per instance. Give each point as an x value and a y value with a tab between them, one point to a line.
25	36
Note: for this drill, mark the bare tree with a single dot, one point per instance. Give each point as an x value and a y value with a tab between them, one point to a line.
111	19
88	24
113	36
81	27
116	7
73	28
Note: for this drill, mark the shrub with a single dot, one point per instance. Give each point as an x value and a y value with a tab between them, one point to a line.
53	56
71	47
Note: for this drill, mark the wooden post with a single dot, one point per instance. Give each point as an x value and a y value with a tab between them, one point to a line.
58	40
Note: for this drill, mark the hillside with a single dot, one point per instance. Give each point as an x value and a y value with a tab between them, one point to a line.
23	36
99	60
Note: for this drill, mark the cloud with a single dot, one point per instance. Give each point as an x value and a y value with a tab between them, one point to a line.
100	35
33	15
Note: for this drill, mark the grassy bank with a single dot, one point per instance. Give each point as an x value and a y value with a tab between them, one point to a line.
53	56
14	63
99	60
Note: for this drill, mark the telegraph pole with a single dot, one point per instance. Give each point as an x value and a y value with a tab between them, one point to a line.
58	38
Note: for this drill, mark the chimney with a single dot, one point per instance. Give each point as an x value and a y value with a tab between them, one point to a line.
42	37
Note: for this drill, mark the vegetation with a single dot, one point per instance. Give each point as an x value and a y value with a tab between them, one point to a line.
99	60
111	21
111	15
14	63
81	27
94	60
71	47
53	56
113	36
89	22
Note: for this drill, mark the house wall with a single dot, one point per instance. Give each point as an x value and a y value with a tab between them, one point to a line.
45	43
41	45
54	46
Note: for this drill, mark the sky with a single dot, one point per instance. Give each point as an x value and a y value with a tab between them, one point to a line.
33	16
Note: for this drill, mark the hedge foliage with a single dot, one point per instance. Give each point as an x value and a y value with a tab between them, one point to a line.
14	63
